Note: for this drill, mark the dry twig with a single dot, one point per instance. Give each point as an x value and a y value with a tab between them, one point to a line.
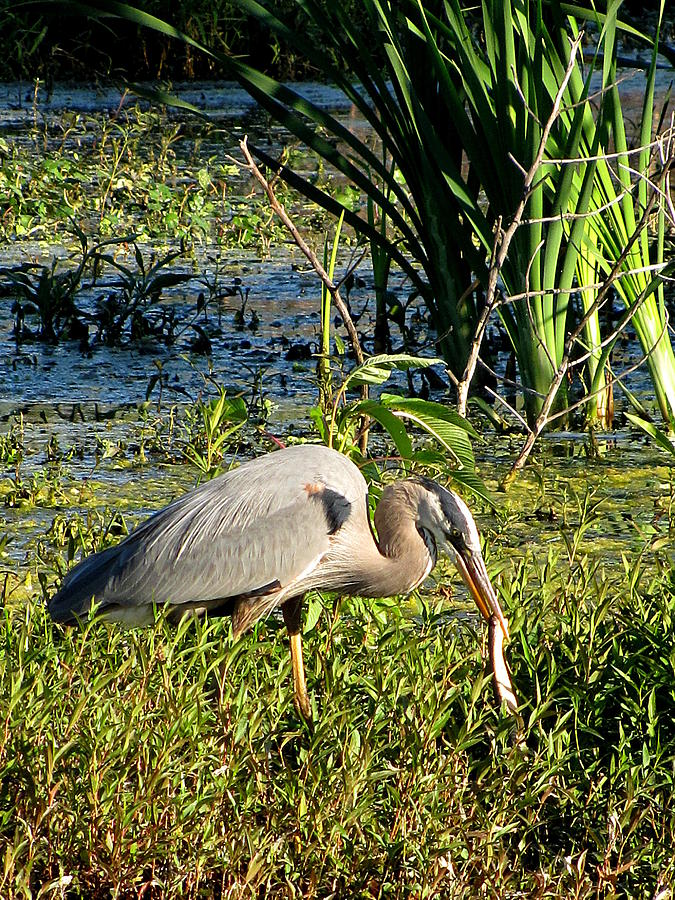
332	288
544	416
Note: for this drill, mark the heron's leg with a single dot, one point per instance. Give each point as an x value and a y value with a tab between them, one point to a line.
292	610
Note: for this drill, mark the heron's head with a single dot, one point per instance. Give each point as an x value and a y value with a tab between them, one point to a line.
447	525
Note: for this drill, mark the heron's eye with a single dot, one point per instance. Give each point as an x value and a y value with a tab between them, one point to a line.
454	536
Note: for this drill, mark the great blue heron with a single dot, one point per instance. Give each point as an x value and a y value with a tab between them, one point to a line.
262	535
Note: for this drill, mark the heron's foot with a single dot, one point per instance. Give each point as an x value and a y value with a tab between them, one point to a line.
300	695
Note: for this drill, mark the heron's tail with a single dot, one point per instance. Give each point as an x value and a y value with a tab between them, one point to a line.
83	585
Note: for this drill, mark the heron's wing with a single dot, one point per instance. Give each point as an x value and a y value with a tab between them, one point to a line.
256	529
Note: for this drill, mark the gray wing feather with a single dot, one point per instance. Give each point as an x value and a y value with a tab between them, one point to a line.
257	525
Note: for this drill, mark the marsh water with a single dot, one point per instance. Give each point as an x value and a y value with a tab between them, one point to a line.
279	327
261	327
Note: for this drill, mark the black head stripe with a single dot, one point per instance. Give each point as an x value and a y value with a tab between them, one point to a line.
430	544
445	497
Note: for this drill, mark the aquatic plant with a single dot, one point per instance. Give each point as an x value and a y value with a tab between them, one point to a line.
12	444
529	103
49	294
323	367
210	427
448	450
127	308
117	174
42	488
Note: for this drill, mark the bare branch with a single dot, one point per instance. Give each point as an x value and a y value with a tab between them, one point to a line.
332	288
544	416
611	380
630	151
514	412
307	250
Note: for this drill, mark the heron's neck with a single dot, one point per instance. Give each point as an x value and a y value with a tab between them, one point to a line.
401	559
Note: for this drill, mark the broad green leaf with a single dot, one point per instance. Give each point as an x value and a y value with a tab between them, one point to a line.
377	369
416	406
314	608
389	421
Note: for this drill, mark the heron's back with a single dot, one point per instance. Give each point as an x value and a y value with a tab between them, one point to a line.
251	531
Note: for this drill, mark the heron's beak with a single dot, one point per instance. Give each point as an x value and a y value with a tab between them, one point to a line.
473	571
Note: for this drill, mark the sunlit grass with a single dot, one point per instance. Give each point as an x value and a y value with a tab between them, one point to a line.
176	755
169	762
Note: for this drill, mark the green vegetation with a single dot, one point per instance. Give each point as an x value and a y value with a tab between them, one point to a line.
494	163
134	173
172	761
169	762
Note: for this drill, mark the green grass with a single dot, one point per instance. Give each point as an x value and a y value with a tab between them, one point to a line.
166	762
176	755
